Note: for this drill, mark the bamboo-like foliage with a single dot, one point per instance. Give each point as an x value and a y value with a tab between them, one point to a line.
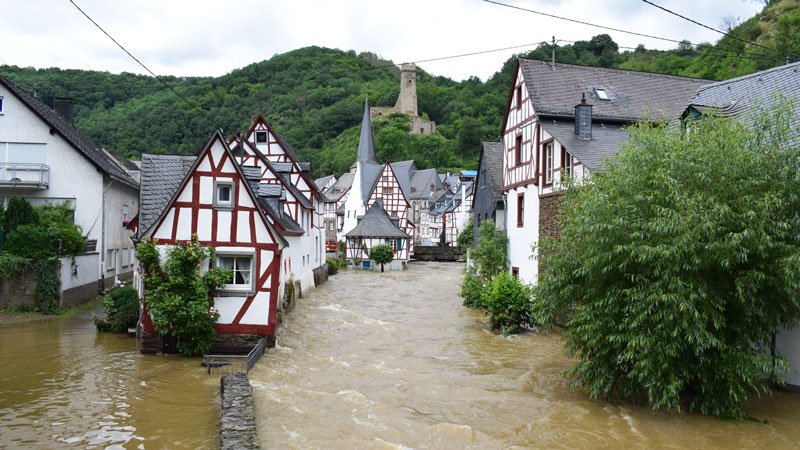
676	264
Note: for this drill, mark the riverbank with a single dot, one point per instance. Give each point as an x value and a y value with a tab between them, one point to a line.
11	316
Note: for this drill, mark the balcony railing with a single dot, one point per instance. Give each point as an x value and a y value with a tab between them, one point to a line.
25	175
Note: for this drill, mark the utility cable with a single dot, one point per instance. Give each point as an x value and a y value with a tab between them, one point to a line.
192	104
716	30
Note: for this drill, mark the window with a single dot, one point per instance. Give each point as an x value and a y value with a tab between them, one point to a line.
519	97
1	104
548	163
601	94
433	187
223	194
388	191
395	244
261	137
242	268
515	272
520	210
483	177
518	150
111	259
566	163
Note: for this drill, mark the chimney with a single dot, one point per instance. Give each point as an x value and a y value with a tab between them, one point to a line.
583	119
64	106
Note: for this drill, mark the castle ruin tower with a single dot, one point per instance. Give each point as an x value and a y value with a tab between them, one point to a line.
407	101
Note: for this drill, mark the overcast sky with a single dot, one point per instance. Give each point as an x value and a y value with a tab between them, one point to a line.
198	37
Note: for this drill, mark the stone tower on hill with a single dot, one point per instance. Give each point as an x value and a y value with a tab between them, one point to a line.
407	102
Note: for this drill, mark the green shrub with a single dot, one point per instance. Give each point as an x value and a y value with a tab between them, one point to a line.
333	266
121	308
382	254
19	212
508	302
471	289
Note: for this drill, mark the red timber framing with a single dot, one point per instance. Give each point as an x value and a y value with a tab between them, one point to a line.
520	136
234	228
387	190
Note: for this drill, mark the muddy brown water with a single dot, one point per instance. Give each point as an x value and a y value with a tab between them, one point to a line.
63	385
386	361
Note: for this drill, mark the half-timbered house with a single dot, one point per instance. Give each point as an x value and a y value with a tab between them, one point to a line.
563	120
488	197
212	197
377	227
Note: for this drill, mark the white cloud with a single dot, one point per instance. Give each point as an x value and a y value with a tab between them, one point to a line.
184	37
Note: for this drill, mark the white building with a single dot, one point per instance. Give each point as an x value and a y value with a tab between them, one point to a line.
564	120
45	159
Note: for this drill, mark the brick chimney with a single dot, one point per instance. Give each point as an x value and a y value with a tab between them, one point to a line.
65	107
583	119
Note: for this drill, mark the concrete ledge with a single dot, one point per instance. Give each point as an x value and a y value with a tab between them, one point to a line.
237	423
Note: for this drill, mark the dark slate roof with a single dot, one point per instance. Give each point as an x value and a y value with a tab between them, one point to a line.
420	183
369	176
72	135
754	92
340	187
271	190
492	161
321	182
402	171
282	167
273	206
161	177
376	223
633	95
366	145
606	140
304	166
251	172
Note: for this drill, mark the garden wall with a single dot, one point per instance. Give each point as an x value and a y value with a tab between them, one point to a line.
436	253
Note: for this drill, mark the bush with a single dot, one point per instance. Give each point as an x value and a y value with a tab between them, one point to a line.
333	266
677	262
382	254
490	252
471	289
19	212
508	302
121	308
467	237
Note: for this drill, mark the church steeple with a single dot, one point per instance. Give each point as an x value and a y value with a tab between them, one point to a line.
366	146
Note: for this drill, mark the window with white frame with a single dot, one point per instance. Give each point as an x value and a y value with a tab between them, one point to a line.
241	267
223	194
261	137
111	259
548	163
566	163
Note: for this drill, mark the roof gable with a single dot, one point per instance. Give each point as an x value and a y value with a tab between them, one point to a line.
78	140
376	223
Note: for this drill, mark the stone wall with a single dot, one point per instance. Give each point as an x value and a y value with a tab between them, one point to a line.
436	253
548	215
237	423
234	344
19	290
150	343
320	275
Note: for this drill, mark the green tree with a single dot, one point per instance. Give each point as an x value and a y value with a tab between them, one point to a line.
467	237
676	264
490	253
178	297
382	254
19	212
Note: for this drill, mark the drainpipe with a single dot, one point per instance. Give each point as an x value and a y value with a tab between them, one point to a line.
103	239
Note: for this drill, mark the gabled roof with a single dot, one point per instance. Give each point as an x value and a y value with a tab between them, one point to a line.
606	141
491	159
281	170
161	177
322	182
81	142
369	176
366	146
420	184
754	92
376	223
555	90
402	171
341	186
217	136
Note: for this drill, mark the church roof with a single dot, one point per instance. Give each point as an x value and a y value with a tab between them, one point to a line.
366	145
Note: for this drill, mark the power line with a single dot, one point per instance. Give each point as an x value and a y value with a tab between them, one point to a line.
730	35
192	104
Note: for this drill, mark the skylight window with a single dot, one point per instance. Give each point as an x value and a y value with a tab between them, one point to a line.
601	94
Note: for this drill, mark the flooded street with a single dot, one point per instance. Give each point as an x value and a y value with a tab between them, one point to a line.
382	361
63	385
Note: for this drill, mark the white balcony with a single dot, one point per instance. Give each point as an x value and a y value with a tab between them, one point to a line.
25	175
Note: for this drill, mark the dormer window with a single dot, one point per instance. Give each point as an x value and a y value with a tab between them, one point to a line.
261	137
601	94
223	194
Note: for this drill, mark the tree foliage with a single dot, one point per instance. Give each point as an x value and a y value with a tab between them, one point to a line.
490	253
467	236
508	303
178	295
381	254
121	309
676	264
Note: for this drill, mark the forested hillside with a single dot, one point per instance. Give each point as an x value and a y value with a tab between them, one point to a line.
315	96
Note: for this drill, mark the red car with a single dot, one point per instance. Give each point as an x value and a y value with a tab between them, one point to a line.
330	246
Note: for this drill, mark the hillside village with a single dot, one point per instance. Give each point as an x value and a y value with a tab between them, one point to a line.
277	229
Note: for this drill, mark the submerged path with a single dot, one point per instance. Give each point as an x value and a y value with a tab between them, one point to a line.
393	360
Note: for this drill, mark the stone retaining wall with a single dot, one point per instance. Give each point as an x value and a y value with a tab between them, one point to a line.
321	275
237	423
436	253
